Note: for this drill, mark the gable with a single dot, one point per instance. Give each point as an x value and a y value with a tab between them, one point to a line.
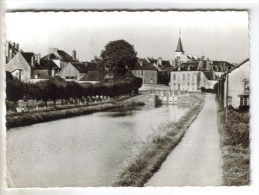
17	62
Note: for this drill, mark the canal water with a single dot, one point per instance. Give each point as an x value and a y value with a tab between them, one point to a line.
81	151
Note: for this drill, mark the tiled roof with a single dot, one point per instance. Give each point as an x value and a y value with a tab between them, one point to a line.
46	64
27	56
152	60
81	67
144	65
91	76
193	66
240	64
92	66
64	56
185	66
60	55
208	74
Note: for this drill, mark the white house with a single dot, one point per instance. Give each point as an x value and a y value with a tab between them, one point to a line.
236	85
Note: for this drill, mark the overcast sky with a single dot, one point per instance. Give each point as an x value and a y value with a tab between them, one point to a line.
217	35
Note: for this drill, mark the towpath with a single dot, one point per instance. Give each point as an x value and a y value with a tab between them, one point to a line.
196	161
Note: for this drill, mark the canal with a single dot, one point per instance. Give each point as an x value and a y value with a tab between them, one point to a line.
81	151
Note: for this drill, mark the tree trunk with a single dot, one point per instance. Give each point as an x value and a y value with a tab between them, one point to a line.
45	103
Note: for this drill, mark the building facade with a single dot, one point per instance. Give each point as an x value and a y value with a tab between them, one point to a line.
146	71
236	86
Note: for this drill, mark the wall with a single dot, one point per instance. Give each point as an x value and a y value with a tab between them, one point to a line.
148	76
236	84
185	80
69	71
18	62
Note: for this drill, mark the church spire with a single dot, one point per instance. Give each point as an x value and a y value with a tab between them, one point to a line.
179	45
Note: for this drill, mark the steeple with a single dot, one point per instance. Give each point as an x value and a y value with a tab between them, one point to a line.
179	45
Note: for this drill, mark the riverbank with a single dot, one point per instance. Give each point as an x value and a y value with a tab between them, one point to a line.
25	119
235	146
152	153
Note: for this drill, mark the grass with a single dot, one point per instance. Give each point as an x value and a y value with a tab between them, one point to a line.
149	155
235	147
39	117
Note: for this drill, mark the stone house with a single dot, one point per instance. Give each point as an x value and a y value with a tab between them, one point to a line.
73	71
93	74
197	74
60	57
145	70
28	67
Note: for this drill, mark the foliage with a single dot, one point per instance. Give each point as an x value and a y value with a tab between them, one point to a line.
55	88
118	57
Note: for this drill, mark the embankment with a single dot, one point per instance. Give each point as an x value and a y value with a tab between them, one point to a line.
151	154
234	133
25	119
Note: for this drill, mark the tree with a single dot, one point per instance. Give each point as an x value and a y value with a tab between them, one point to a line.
118	57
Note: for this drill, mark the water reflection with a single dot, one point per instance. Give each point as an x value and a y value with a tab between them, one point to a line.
81	151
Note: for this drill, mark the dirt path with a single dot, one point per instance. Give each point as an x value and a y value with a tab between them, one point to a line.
196	161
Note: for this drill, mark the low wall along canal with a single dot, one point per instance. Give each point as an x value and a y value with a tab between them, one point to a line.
82	151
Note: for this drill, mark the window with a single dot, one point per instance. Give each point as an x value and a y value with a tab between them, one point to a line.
246	85
174	76
183	76
141	72
188	77
244	100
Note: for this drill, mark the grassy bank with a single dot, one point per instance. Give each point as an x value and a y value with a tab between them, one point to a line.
149	155
39	117
235	147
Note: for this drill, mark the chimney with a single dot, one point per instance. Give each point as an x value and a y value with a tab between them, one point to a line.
10	53
38	58
32	61
53	50
74	55
7	50
160	61
17	46
13	45
208	64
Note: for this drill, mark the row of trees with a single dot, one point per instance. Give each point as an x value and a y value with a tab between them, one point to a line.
59	89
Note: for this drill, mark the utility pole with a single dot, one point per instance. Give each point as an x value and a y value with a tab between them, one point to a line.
226	108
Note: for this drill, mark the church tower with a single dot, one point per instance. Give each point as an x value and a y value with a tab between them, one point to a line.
179	50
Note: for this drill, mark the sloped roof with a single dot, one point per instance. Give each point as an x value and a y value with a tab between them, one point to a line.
27	56
208	74
235	67
46	64
92	66
81	67
60	55
91	76
145	65
152	60
186	66
179	46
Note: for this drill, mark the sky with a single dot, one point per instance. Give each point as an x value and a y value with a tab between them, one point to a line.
217	35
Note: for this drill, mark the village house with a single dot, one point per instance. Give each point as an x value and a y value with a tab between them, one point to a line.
60	57
145	70
28	67
93	73
234	86
73	71
164	67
